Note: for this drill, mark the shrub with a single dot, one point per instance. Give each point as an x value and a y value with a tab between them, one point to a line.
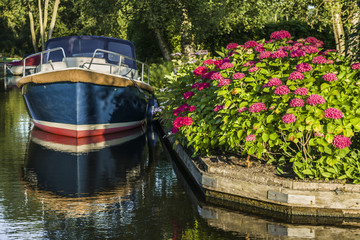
297	104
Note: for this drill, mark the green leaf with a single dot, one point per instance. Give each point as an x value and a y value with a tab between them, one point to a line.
324	86
270	118
265	137
307	172
273	136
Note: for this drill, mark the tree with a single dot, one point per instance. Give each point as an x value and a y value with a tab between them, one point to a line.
43	21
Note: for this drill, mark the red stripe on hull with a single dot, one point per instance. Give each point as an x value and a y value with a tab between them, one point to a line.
83	133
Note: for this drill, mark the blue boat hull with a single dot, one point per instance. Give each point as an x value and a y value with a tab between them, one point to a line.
81	109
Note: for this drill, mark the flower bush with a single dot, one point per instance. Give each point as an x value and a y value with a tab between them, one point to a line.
285	101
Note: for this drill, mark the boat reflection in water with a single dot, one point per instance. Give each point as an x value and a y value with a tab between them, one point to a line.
85	175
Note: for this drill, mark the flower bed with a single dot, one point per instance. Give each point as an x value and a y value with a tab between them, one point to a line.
281	101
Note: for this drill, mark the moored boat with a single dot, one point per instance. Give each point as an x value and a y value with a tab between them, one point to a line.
87	86
16	68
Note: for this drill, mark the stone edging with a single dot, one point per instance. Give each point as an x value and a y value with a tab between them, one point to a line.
284	197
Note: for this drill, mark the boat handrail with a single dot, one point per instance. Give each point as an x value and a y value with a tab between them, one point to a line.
120	60
41	57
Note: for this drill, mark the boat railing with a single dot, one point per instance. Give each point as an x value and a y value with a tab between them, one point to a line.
42	56
121	64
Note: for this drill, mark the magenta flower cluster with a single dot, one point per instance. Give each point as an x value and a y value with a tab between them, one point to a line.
296	75
181	108
301	91
249	64
203	85
288	118
355	66
279	54
257	107
282	90
242	109
224	82
341	141
315	99
333	113
329	77
319	60
218	107
232	46
278	35
226	65
297	53
216	76
250	44
253	69
273	82
304	67
265	54
297	102
182	121
208	62
250	138
238	76
188	94
200	71
208	75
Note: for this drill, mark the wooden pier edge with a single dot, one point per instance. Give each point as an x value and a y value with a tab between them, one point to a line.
290	200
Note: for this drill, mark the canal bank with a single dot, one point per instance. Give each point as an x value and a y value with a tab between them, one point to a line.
225	183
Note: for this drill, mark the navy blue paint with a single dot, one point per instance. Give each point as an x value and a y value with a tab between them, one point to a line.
85	103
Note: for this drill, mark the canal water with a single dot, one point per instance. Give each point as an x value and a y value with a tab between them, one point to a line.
119	186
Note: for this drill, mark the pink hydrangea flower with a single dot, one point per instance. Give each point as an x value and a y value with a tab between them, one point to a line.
315	99
226	65
279	54
265	54
253	69
330	61
341	141
224	82
355	66
304	67
192	108
232	46
186	121
296	75
203	85
181	108
282	90
250	138
319	60
297	102
200	71
288	118
174	129
218	107
257	107
301	91
177	122
250	44
329	51
333	113
329	77
273	82
216	76
218	63
188	94
208	75
310	49
297	53
238	75
278	35
195	85
249	64
242	109
208	62
259	48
